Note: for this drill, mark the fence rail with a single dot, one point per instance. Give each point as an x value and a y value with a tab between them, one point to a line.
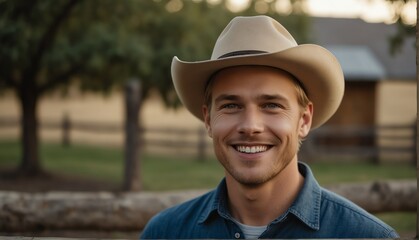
378	143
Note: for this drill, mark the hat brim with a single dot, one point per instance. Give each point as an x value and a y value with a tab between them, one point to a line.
315	67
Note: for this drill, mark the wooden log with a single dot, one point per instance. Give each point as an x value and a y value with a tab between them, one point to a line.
21	212
83	211
380	196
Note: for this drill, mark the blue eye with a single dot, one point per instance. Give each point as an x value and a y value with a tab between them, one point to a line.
230	106
271	105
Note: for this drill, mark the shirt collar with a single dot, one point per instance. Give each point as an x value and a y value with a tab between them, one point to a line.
217	203
306	207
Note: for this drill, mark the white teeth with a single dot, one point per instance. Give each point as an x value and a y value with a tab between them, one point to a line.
252	149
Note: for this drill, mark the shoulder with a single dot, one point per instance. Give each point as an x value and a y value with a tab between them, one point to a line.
185	214
351	218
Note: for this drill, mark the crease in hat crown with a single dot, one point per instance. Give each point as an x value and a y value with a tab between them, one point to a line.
259	33
261	40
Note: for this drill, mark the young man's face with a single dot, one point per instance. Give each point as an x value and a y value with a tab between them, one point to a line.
255	122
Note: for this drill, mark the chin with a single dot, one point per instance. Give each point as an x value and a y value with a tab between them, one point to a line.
252	183
249	179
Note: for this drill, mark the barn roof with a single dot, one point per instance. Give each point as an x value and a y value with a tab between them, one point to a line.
358	63
356	38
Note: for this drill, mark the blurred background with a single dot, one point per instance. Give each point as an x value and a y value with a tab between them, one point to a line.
87	103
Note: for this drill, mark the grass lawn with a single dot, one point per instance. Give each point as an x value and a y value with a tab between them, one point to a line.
161	173
173	172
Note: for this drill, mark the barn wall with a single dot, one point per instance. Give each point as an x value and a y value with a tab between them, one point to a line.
358	106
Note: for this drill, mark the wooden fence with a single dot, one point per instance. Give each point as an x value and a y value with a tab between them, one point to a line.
379	143
165	140
376	144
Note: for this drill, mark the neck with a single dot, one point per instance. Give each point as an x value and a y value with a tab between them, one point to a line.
259	205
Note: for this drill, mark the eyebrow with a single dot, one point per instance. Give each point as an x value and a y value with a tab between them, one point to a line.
262	97
272	97
226	97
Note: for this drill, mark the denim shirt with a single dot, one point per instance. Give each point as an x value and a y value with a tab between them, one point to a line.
315	213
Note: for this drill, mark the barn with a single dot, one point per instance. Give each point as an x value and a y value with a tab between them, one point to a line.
369	66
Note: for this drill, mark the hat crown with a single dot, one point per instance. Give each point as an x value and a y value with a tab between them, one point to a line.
248	35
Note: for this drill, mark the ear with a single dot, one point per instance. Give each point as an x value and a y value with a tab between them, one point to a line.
305	121
206	114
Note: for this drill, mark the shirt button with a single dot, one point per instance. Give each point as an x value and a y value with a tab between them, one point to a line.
237	235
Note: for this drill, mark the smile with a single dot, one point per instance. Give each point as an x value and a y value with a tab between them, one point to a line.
251	149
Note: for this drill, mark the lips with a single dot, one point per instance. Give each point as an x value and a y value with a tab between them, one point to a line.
251	149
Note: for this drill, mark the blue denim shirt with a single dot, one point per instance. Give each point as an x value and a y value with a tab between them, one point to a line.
315	213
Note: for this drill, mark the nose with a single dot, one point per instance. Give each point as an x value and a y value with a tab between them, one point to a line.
250	123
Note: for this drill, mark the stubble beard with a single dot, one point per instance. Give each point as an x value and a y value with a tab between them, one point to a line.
281	162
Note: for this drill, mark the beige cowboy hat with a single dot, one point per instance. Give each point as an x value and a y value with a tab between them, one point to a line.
261	40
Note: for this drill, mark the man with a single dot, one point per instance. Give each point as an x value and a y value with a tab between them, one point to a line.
259	96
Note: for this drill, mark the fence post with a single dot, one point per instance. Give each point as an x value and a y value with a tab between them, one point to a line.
132	180
202	144
65	126
415	143
375	134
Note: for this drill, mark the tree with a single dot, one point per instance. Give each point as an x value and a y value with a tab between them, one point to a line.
98	44
23	53
404	29
47	45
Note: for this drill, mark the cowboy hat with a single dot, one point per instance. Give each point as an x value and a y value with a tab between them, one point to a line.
261	40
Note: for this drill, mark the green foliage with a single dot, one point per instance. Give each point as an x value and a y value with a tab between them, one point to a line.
397	40
102	43
404	30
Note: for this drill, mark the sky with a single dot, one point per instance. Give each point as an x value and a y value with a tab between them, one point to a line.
369	10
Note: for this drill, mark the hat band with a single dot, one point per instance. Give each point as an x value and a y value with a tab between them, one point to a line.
242	52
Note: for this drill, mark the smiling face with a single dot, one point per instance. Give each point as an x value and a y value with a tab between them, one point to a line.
255	121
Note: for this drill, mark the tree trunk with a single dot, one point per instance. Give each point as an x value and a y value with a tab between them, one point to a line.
30	164
132	180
